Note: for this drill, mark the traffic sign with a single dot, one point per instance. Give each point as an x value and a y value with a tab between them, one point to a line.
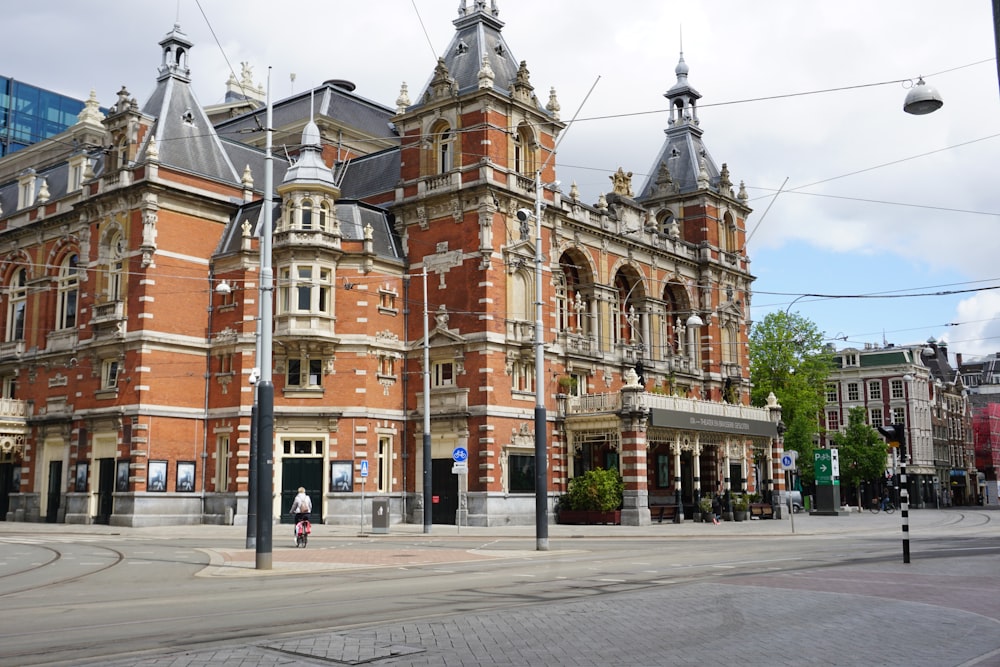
460	468
826	468
460	454
364	468
788	460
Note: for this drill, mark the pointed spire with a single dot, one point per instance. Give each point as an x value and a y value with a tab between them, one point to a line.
152	150
403	100
91	112
43	192
247	179
553	106
485	73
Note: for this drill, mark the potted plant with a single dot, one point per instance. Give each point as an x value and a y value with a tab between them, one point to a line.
705	507
567	383
741	503
593	497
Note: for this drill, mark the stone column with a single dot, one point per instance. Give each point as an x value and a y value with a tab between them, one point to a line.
635	501
675	449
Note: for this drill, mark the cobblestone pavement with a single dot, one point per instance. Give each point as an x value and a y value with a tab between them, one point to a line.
931	612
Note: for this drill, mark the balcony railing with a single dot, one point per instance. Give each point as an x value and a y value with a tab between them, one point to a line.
11	408
612	402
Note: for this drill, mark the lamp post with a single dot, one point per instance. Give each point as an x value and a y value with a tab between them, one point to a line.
541	436
264	462
428	473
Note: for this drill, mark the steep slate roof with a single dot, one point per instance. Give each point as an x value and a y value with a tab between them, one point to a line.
185	138
683	149
477	32
370	175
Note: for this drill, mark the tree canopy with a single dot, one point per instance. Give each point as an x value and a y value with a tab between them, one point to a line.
861	450
788	358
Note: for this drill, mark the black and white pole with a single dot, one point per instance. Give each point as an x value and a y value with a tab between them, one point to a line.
904	507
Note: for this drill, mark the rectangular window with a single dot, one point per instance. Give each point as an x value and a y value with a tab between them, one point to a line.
899	415
876	418
875	390
896	389
383	475
833	420
831	393
222	463
521	473
442	374
387	366
304	373
109	374
853	394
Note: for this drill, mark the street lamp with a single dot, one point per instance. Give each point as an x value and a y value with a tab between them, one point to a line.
922	99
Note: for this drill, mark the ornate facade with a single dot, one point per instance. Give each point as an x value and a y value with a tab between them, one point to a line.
132	282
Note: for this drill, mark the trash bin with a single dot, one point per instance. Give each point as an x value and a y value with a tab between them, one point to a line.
380	516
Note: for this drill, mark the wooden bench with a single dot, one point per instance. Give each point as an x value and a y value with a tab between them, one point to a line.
761	511
661	512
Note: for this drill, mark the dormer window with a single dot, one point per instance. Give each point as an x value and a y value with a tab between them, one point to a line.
851	359
26	189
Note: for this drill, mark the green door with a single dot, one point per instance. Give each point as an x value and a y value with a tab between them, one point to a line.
306	472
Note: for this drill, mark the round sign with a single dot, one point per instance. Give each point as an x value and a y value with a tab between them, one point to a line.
460	454
787	461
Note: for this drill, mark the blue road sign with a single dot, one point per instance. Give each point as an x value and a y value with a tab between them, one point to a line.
460	454
364	468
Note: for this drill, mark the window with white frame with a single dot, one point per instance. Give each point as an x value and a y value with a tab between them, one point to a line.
853	391
875	417
386	365
68	291
831	393
896	389
110	368
444	145
116	267
302	447
522	376
442	374
383	463
875	390
851	359
387	301
305	288
17	303
833	420
899	415
9	387
304	373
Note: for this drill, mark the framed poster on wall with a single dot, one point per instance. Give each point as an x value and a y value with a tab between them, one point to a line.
341	479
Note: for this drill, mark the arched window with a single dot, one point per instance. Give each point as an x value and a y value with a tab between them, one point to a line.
524	162
68	290
17	304
324	216
306	214
627	313
116	267
444	148
519	307
729	341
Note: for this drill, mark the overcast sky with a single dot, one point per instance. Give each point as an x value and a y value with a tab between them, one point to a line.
876	201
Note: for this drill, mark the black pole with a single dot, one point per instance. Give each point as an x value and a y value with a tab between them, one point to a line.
541	482
252	480
904	510
428	478
265	465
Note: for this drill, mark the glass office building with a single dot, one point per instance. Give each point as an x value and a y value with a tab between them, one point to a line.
29	114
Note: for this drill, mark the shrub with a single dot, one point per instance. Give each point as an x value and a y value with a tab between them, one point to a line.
597	489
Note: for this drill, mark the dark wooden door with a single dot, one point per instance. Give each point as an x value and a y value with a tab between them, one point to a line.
306	472
444	488
54	497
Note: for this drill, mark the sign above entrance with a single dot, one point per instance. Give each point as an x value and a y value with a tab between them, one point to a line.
719	424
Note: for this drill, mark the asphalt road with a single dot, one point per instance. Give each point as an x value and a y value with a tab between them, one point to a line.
836	592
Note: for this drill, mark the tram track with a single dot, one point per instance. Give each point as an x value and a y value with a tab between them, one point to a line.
57	557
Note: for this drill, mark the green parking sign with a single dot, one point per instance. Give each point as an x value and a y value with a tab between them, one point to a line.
826	475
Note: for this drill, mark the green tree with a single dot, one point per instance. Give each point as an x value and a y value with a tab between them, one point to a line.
788	358
861	450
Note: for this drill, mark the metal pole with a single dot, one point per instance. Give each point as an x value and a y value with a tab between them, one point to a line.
428	477
541	439
265	388
904	508
254	426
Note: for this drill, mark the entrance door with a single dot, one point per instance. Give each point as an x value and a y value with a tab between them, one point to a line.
306	472
105	490
6	487
53	499
444	487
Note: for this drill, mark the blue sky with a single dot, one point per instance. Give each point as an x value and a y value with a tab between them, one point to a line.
841	151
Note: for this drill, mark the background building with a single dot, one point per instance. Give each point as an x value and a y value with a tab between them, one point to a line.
131	299
916	386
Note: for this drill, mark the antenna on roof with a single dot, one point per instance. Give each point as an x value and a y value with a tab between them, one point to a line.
312	95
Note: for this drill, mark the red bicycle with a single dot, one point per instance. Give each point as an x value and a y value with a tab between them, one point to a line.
302	530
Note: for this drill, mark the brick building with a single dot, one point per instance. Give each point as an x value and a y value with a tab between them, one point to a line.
129	253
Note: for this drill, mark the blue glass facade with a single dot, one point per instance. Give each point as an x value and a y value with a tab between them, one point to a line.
29	114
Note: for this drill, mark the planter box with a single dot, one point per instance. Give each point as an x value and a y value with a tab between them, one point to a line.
590	517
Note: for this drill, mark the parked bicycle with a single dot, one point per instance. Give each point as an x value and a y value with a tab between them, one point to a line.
884	505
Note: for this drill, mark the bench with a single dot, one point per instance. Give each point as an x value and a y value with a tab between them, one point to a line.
661	512
761	511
